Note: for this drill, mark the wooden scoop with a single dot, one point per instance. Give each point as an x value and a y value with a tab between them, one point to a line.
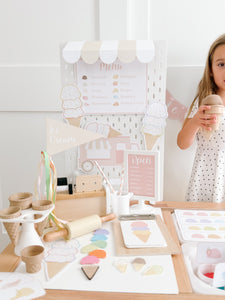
78	227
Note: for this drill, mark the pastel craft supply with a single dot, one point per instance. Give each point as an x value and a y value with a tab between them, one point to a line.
89	260
209	228
201	226
99	237
214	236
120	265
100	244
138	263
89	271
202	214
78	227
139	224
101	231
88	248
154	270
198	235
98	253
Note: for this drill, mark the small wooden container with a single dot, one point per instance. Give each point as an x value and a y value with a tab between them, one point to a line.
22	200
32	256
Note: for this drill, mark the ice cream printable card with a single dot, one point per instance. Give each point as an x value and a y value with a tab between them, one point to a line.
201	225
142	233
142	174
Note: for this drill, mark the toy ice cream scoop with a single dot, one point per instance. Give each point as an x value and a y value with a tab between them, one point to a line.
154	123
216	108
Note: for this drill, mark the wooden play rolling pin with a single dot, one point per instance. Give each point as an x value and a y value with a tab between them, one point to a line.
78	227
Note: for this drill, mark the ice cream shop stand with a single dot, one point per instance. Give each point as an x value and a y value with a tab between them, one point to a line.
140	246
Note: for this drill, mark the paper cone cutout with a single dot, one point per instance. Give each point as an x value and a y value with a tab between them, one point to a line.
150	140
55	267
74	121
142	235
61	137
113	133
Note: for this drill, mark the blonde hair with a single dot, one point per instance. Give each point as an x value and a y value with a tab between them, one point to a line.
207	85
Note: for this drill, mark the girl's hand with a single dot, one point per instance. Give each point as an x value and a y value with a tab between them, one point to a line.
204	120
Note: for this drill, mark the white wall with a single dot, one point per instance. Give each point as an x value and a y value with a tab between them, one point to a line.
31	32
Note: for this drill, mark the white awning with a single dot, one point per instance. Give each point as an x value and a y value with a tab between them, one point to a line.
108	51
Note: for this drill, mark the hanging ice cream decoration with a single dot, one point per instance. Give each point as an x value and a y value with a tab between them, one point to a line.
72	104
154	123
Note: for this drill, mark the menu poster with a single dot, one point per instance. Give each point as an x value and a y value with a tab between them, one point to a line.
142	174
112	88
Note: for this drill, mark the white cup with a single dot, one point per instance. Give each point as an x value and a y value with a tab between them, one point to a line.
121	203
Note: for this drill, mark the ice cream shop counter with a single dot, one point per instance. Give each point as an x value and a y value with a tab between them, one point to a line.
186	261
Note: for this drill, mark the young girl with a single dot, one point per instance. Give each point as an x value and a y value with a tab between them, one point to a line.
207	182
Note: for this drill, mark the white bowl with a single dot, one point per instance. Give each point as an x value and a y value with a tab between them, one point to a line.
203	269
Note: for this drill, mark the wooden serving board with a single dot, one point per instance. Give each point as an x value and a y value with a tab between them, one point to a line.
121	250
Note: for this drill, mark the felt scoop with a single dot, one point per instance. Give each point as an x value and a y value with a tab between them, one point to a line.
78	227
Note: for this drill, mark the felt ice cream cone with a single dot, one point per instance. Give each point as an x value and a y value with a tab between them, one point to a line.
74	121
150	140
22	200
216	108
32	256
11	228
41	205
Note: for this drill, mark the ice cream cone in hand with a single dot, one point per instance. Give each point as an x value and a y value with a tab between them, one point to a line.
216	108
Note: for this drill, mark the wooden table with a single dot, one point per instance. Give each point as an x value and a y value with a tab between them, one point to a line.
184	285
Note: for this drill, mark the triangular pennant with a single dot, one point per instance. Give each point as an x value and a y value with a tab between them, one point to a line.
90	271
61	136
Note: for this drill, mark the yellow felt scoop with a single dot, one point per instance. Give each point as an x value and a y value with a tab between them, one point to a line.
78	227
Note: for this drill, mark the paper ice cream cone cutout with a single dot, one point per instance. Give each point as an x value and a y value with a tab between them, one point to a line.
74	121
32	256
142	235
113	133
22	200
141	231
216	108
154	123
11	228
138	263
41	205
150	140
120	265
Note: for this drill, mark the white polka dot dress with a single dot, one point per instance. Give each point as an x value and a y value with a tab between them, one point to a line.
207	181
